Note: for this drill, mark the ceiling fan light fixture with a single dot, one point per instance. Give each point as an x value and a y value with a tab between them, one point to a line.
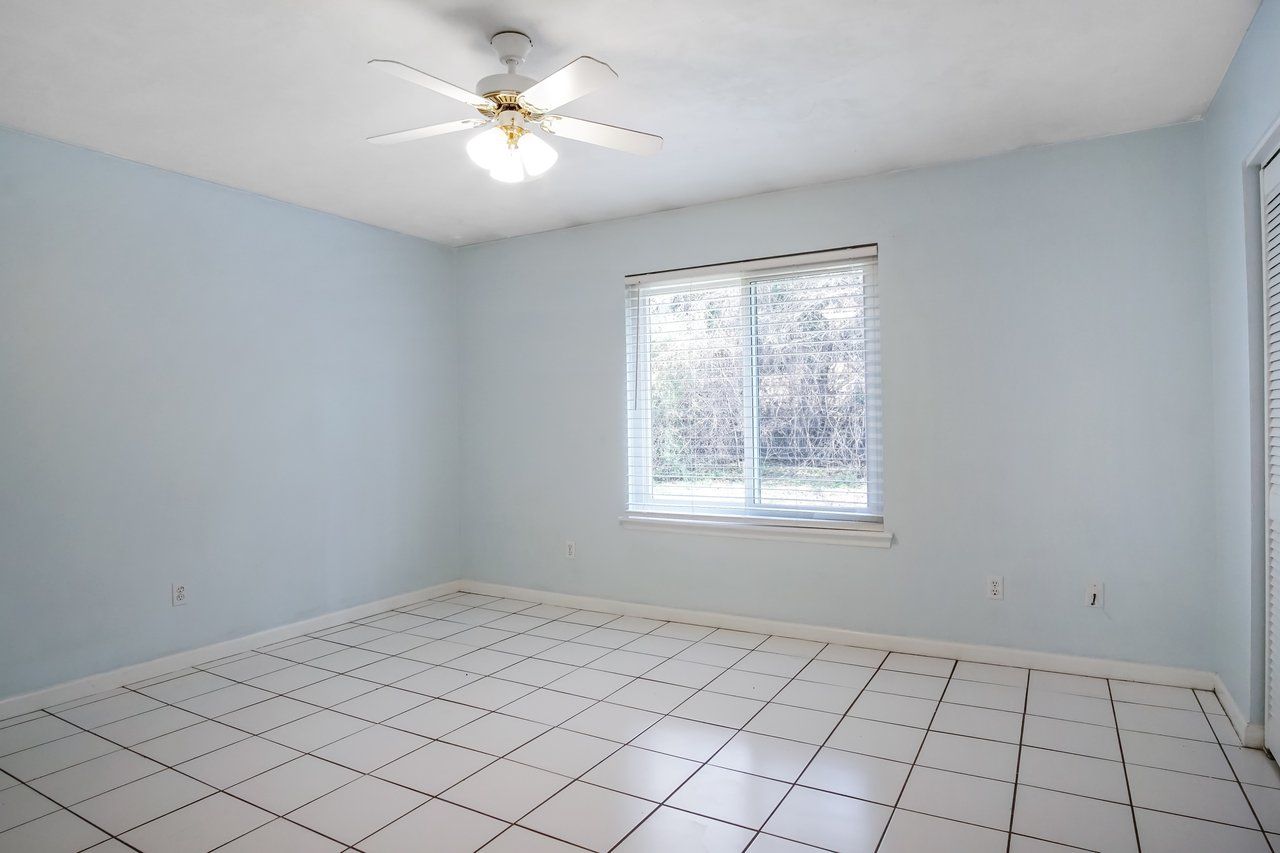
510	153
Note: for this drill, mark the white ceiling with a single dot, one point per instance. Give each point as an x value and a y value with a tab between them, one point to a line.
273	96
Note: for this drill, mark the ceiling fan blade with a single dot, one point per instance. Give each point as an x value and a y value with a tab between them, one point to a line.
594	133
435	84
424	132
578	78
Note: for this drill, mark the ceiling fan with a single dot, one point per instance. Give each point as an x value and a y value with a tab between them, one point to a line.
519	108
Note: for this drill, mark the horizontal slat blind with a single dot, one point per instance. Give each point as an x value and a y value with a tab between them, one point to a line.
754	391
1271	284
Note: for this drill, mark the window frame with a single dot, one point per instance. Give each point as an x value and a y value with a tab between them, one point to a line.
756	516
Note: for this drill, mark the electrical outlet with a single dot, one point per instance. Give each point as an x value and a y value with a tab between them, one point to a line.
178	594
1093	594
995	587
570	550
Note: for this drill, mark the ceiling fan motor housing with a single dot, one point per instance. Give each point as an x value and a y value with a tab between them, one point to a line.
516	83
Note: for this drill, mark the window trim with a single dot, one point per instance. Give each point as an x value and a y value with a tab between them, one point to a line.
753	519
851	533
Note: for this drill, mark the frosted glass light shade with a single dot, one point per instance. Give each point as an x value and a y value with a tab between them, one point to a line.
536	155
508	168
486	149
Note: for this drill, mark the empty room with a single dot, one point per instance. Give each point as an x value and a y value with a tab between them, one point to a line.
431	426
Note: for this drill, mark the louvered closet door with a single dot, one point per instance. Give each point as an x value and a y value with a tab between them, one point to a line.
1271	289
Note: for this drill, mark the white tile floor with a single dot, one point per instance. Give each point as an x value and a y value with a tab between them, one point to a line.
474	723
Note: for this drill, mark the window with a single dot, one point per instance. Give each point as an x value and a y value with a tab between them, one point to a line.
753	393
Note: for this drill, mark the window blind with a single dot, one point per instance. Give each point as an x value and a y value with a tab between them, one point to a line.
753	391
1271	297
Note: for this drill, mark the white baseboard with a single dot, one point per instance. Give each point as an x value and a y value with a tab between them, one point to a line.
1001	655
67	691
1250	733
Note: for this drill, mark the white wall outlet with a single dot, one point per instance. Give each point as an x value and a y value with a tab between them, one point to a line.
570	549
1094	594
995	587
178	594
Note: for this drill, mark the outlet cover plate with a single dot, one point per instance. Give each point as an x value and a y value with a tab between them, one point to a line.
178	594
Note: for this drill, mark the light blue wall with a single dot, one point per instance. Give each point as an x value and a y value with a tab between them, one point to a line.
201	385
268	403
1046	371
1246	106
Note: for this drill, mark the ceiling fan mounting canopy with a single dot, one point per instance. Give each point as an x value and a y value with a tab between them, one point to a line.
520	105
513	47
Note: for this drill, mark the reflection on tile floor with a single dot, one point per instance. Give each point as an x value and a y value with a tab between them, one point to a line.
470	722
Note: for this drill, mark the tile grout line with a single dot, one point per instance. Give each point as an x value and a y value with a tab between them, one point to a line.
1236	776
916	759
1017	766
1124	765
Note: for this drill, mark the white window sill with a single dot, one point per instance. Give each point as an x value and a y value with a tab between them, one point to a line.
863	537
